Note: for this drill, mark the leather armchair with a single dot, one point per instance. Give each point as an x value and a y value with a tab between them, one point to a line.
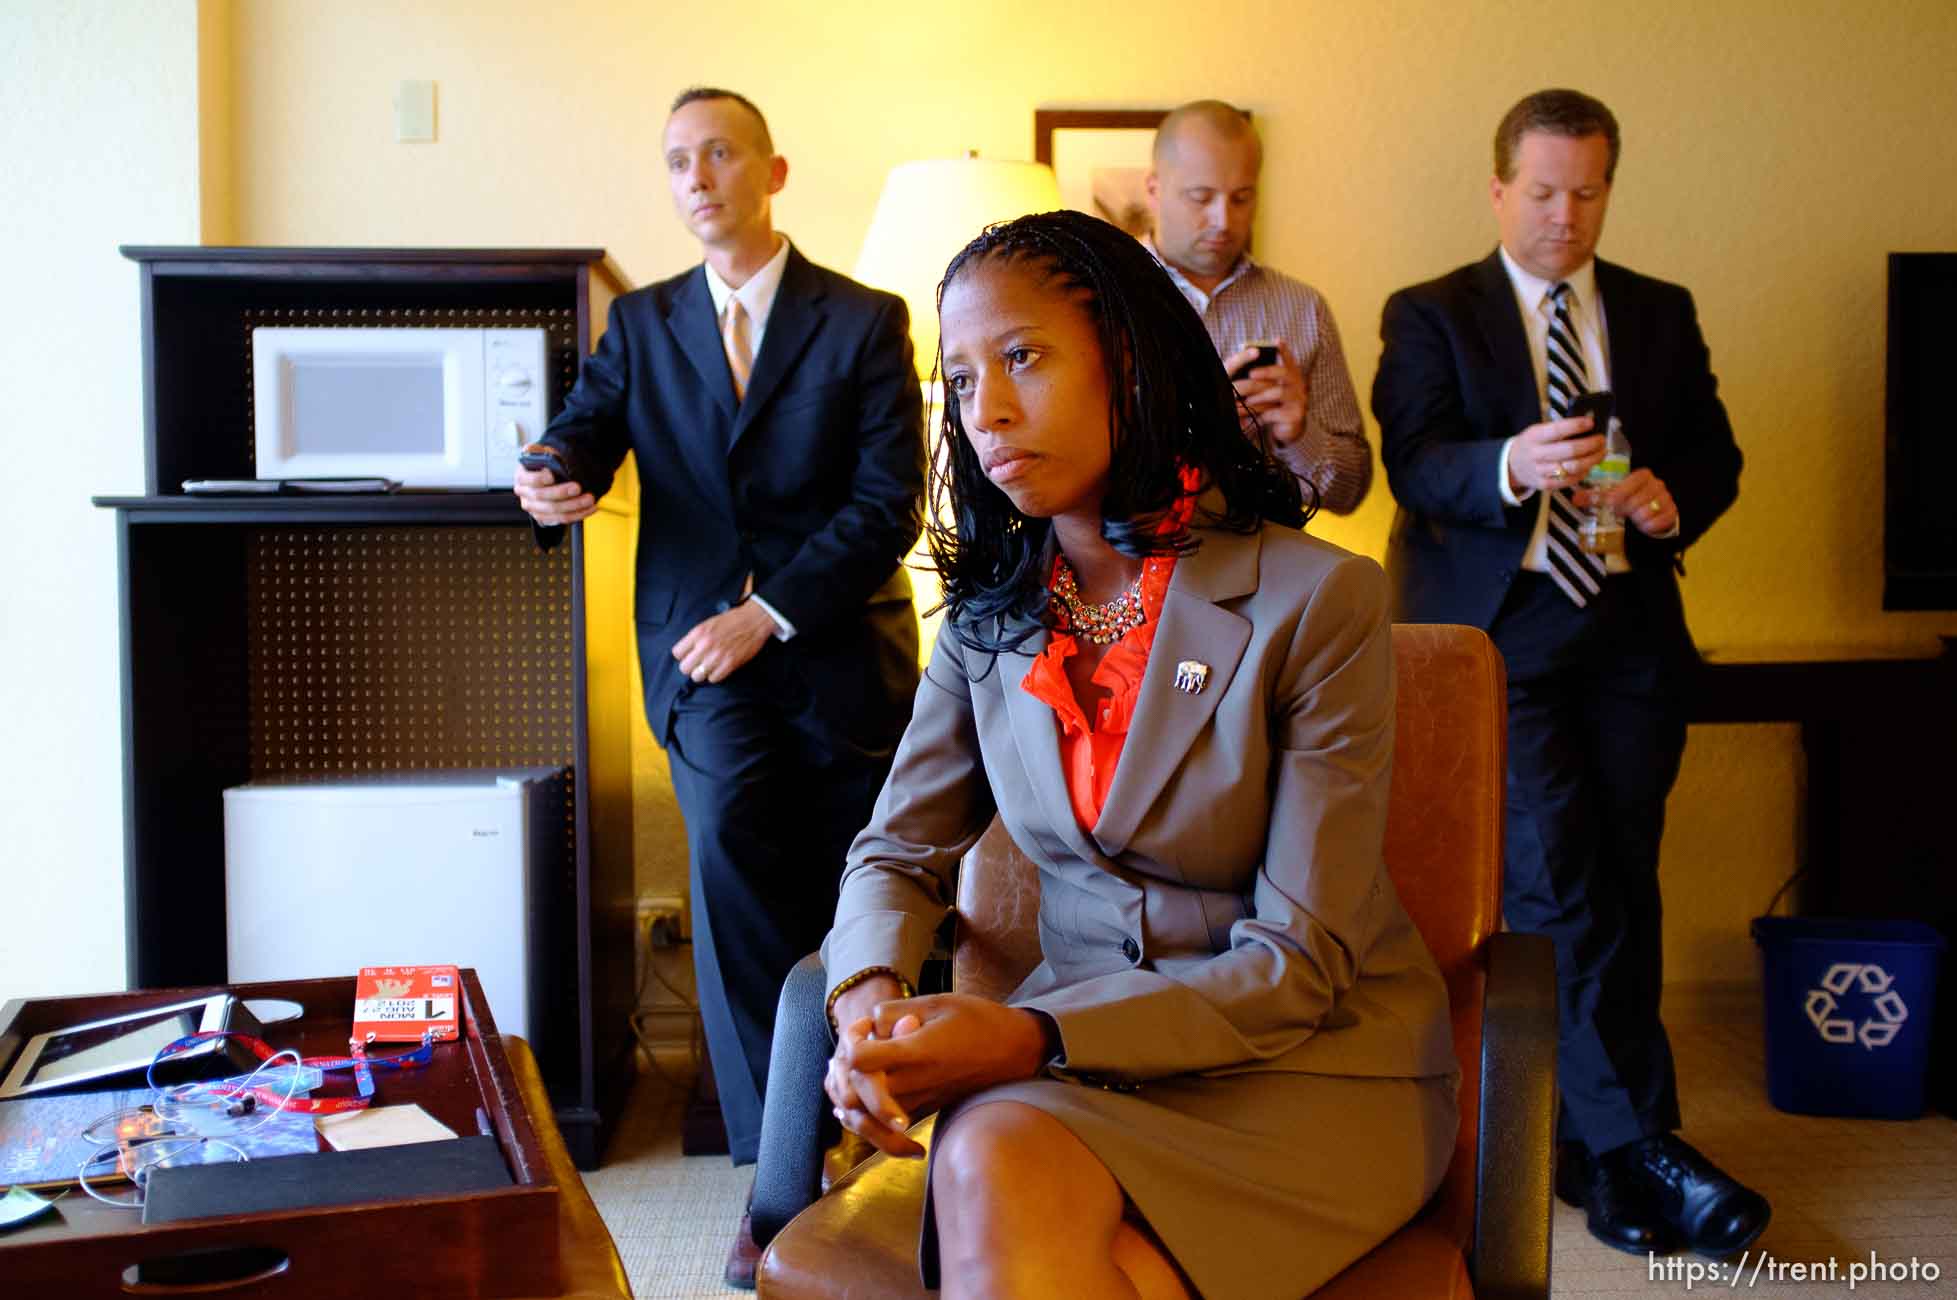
1485	1232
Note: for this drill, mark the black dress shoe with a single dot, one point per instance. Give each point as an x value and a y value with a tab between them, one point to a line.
1572	1172
1617	1207
1714	1213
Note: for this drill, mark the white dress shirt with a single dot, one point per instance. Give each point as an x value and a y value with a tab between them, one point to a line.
757	295
757	298
1532	298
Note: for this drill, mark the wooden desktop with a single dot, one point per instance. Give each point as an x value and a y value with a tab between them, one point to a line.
539	1237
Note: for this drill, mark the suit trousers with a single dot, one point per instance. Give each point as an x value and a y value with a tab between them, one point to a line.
1596	733
772	795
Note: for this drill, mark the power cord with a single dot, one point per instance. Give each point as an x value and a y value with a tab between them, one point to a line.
641	1015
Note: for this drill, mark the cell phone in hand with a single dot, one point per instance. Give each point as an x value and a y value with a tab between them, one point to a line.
1595	405
545	458
1267	355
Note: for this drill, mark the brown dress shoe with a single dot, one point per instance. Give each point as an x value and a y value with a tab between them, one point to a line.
743	1257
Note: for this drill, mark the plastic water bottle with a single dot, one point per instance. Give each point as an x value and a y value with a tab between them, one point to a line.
1602	530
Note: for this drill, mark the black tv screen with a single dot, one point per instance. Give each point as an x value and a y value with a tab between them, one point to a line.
1920	507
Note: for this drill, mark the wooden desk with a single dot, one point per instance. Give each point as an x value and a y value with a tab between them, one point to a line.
1876	726
539	1237
1876	730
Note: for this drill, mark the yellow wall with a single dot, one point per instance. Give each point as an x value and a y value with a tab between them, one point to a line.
1774	152
1773	155
216	159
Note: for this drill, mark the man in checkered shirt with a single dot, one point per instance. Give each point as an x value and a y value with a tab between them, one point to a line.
1202	192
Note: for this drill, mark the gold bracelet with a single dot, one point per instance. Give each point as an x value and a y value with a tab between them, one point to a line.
830	1007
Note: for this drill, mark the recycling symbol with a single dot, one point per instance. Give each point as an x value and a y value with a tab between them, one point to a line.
1872	1031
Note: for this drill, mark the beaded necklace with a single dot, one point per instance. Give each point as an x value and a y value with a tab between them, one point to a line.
1100	624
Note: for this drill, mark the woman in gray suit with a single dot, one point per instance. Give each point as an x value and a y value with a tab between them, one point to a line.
1231	1075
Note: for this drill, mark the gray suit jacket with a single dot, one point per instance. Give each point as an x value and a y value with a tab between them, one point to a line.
1231	910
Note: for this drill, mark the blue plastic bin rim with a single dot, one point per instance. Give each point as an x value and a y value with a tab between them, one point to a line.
1775	931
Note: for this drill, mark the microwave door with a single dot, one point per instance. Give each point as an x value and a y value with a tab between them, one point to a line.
355	403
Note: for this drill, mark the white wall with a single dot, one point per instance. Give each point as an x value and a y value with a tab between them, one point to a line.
100	138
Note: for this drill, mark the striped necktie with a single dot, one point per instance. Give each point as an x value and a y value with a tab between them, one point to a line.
740	350
1579	573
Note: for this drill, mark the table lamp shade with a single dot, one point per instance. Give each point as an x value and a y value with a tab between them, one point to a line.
927	212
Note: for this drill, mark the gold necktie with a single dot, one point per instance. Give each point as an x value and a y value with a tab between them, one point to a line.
740	351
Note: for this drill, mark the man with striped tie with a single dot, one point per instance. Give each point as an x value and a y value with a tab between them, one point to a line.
1475	396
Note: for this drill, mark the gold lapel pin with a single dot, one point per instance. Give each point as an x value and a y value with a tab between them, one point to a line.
1192	676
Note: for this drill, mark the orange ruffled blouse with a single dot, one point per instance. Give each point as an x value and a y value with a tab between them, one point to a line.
1090	750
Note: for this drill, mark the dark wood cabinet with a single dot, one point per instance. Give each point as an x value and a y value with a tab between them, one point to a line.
297	636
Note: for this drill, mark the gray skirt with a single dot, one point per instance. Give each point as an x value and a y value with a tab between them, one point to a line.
1259	1185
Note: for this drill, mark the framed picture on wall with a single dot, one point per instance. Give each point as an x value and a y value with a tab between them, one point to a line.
1101	158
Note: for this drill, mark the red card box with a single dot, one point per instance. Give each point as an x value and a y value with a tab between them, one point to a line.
398	1004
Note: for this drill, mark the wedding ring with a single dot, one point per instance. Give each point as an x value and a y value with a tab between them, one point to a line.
1555	471
1651	506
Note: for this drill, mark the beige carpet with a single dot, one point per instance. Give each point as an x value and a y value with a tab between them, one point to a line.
1841	1189
672	1216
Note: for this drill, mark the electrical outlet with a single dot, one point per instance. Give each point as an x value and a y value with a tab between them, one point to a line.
662	920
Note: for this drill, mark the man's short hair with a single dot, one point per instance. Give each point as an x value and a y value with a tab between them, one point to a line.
1558	112
1227	120
693	94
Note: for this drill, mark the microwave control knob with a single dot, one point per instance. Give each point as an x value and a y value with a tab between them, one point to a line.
511	433
514	382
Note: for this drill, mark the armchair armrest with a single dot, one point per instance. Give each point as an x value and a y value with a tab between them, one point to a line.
1518	1119
796	1123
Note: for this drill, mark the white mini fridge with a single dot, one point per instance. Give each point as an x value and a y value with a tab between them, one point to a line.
325	875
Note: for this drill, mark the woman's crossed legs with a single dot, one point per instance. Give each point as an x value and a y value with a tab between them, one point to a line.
1025	1209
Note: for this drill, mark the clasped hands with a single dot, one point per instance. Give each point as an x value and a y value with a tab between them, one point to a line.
1558	453
1275	394
899	1058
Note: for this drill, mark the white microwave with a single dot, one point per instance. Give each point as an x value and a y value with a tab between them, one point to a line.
438	407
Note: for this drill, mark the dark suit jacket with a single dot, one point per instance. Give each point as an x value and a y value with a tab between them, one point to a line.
812	483
1456	379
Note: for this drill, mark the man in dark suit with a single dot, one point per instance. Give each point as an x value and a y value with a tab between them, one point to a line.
775	415
1474	395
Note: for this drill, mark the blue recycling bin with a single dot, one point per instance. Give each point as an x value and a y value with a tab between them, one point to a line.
1849	1010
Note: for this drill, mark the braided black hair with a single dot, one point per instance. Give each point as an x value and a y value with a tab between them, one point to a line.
1172	405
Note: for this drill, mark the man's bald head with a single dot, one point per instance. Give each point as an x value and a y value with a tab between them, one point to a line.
1202	189
1201	121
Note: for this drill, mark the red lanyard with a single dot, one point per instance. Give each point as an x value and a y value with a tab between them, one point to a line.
362	1065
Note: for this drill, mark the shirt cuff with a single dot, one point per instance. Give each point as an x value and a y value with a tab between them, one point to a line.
784	630
1502	477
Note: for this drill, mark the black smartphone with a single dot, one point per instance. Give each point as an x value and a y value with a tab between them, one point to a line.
1266	356
1595	405
534	458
